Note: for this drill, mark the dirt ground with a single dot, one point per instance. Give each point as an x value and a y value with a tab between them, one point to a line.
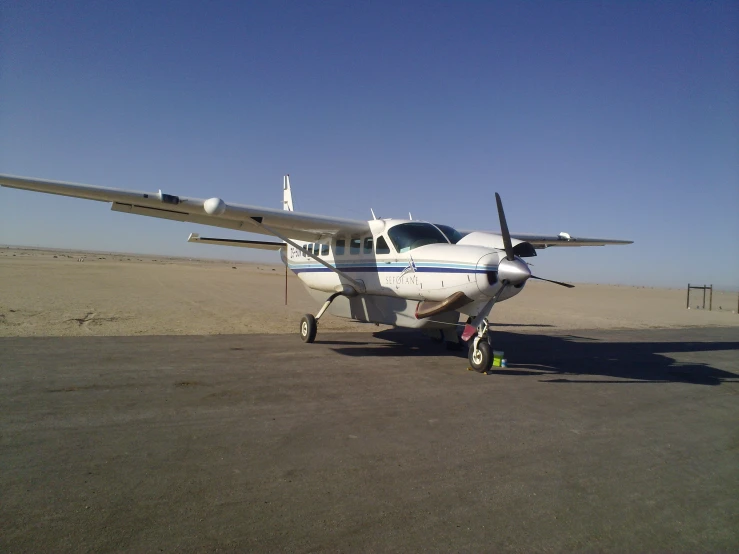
51	293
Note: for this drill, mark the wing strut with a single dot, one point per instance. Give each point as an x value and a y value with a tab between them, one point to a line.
358	286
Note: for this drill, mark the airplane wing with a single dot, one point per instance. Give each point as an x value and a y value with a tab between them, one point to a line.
212	211
564	239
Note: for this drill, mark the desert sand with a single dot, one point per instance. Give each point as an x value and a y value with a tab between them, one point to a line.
51	293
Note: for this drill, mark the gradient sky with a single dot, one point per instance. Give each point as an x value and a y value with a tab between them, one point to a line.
602	119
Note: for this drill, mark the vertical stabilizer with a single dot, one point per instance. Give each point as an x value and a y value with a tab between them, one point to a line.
287	195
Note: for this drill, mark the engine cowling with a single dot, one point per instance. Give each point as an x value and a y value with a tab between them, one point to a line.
486	273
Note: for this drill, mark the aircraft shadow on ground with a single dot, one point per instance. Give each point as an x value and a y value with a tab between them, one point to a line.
566	358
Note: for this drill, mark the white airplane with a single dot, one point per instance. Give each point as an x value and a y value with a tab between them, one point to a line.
399	272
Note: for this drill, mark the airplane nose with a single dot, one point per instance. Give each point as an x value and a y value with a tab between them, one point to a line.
515	271
486	273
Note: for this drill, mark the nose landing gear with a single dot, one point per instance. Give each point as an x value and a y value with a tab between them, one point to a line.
480	354
481	357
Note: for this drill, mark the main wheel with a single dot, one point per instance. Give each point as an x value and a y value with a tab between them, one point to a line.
481	359
308	328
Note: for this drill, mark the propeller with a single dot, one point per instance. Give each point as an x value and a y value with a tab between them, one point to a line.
512	270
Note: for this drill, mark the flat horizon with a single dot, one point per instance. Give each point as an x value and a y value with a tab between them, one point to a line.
716	287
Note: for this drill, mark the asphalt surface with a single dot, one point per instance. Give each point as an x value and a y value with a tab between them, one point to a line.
593	441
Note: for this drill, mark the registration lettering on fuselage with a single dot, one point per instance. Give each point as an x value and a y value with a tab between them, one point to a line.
402	280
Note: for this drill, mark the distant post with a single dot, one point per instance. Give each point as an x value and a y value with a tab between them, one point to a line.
687	305
704	288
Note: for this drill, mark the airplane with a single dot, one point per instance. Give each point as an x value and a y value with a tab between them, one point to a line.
399	272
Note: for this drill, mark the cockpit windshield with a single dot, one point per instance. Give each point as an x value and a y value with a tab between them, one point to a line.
451	233
408	236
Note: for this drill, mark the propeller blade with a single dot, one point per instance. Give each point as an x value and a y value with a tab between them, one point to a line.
504	229
555	282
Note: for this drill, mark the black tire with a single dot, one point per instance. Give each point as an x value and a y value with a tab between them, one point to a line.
482	360
308	328
438	339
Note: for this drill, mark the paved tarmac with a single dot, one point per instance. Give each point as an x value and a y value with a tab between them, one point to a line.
593	441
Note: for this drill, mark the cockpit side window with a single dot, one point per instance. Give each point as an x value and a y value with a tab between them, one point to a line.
408	236
381	246
451	233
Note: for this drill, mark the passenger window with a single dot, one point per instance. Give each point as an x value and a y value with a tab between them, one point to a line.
381	246
368	245
354	245
339	250
324	250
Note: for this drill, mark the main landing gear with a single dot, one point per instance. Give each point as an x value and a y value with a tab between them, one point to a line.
480	354
309	324
308	328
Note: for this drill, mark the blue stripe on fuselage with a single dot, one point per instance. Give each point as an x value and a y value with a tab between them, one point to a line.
380	269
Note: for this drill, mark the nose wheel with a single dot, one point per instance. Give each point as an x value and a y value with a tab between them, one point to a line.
480	356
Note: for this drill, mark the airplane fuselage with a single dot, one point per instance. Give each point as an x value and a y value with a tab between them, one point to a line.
397	275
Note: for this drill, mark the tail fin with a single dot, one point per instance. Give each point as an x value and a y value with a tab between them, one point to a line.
287	195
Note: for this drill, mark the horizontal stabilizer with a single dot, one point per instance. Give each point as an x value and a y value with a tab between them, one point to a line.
259	244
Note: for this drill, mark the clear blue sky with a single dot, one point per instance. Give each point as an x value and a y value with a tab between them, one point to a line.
607	119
